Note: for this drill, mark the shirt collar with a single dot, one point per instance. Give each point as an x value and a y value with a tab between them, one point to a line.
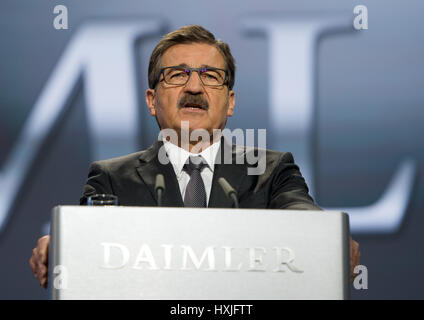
179	156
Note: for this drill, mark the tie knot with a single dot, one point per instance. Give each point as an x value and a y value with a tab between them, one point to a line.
194	163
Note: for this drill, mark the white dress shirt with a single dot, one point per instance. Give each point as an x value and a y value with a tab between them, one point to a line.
178	158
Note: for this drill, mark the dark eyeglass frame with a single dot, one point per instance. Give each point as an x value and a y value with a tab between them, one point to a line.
198	70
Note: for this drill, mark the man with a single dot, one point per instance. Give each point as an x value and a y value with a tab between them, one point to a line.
191	76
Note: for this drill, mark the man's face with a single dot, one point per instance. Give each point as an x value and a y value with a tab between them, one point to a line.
171	104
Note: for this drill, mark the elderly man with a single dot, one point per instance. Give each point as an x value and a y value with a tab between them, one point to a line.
191	77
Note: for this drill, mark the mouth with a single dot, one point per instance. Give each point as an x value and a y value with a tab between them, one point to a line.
194	106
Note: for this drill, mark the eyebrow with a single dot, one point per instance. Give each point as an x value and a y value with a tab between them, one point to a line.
185	65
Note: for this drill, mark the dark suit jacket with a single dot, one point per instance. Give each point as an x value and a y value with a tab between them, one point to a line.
132	178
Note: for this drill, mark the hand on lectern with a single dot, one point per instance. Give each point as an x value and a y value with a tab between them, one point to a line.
39	260
354	257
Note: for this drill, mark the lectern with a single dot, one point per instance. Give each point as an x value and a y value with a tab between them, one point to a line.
116	252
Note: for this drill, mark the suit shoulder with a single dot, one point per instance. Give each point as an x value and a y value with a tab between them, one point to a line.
116	163
272	156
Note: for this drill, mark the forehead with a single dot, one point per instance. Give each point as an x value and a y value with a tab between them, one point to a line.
194	55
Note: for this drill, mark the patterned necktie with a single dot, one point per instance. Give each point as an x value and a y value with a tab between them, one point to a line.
195	194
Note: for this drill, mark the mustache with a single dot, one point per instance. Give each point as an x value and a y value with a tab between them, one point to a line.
193	99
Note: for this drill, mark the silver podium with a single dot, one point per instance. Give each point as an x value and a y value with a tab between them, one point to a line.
115	252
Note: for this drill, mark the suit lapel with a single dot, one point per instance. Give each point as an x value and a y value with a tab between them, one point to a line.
148	169
227	167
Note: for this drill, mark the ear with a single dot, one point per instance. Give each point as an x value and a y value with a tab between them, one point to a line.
231	103
150	101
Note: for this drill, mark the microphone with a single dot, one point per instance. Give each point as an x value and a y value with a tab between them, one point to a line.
229	191
159	188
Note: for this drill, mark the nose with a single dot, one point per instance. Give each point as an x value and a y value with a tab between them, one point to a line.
194	84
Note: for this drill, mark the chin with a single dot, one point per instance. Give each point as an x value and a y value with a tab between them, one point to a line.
194	124
200	127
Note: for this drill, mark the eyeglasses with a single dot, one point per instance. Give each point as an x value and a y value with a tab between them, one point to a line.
179	76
